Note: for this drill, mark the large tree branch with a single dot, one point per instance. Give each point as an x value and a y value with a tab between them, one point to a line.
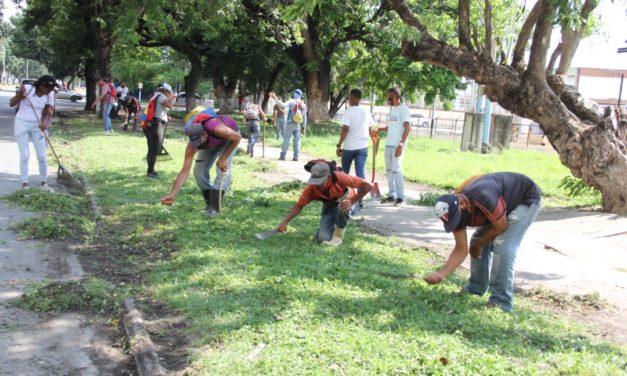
556	53
463	21
523	36
536	71
571	36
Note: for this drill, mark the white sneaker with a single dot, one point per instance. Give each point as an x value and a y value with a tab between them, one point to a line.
46	187
334	242
25	186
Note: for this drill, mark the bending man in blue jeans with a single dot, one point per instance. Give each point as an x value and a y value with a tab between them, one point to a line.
339	201
355	136
215	138
501	206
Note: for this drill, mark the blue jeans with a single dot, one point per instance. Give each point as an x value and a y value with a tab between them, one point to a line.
280	126
330	218
106	111
360	156
292	129
396	184
207	158
253	133
495	269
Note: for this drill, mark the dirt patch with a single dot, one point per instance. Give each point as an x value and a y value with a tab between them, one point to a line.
603	319
120	257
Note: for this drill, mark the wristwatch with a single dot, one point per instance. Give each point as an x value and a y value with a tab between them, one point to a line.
339	145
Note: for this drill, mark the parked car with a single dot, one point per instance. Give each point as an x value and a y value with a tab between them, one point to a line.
70	95
418	120
181	99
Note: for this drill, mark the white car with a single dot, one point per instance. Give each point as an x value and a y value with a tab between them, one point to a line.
68	95
418	120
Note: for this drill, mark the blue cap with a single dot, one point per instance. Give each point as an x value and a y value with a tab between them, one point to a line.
447	210
297	94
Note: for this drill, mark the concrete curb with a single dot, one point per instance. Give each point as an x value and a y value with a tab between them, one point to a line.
141	346
91	196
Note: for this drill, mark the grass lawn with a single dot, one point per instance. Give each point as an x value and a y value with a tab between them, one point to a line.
439	163
354	310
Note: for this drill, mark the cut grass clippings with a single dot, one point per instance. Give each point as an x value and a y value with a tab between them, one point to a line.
90	295
355	309
64	216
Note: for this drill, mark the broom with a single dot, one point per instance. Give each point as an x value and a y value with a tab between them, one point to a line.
64	176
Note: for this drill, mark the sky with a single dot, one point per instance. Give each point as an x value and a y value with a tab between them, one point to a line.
598	51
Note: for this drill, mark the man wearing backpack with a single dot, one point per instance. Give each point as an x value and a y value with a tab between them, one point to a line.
252	114
336	190
215	139
107	99
296	122
154	129
279	118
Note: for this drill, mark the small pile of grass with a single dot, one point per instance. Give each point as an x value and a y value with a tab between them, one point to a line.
90	295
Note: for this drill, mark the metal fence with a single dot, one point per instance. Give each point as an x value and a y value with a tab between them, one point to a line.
440	127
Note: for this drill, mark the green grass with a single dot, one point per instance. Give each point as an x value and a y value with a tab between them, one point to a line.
354	310
64	216
440	164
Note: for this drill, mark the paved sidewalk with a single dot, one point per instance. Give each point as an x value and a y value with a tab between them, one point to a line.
37	344
566	250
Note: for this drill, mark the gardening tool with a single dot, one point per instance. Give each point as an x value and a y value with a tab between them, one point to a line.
263	139
375	193
266	234
164	153
63	175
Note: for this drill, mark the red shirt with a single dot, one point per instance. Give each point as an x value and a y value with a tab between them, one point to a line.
336	190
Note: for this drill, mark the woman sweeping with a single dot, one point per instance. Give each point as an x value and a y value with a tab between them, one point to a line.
36	102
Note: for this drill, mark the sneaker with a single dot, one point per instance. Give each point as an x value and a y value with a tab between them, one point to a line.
25	186
334	242
388	200
295	159
152	175
399	202
45	187
281	158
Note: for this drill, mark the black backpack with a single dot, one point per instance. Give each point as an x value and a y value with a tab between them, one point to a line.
332	166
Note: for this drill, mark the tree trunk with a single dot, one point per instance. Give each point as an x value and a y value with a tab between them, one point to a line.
588	142
224	93
90	83
338	101
191	81
318	84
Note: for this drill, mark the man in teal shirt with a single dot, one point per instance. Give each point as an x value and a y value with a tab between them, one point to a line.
398	128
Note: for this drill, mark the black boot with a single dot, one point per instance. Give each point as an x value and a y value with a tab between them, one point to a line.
216	200
209	195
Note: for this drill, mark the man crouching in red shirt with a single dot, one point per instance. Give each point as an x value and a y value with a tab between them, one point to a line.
339	201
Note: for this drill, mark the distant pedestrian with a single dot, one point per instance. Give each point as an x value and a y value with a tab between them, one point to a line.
296	122
339	200
212	139
164	100
355	136
107	99
121	93
133	109
279	118
35	102
253	113
397	128
501	206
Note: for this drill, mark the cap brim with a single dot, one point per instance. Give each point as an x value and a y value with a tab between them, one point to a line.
317	181
453	222
196	142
